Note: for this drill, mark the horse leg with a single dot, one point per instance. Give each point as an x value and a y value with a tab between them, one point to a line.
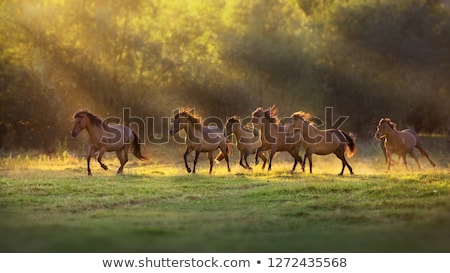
121	157
197	153
91	151
99	159
383	147
413	155
210	162
424	153
340	154
241	158
188	151
389	160
295	161
308	155
256	156
247	153
272	153
263	157
404	160
224	149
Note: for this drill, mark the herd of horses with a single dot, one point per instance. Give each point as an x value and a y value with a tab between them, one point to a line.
266	136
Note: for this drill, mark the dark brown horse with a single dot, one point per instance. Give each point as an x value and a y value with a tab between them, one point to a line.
199	138
323	142
400	142
274	136
106	138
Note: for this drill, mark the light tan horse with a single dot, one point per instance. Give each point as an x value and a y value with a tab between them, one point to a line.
248	140
323	142
400	142
106	138
274	137
199	138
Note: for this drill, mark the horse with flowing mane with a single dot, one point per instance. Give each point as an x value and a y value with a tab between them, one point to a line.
274	136
105	137
199	138
323	142
400	142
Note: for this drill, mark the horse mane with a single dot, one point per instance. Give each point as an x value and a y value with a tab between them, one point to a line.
234	119
304	116
244	127
259	109
92	118
390	122
191	117
271	114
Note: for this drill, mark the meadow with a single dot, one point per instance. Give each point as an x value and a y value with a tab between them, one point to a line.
49	204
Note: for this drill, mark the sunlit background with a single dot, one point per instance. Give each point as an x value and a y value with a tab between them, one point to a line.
367	59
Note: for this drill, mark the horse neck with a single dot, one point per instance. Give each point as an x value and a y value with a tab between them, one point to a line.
391	132
239	131
309	131
95	132
191	129
270	130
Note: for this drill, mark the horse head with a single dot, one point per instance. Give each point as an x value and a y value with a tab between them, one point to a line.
257	116
229	125
384	125
81	120
181	120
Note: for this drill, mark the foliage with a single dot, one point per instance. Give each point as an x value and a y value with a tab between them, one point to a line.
367	59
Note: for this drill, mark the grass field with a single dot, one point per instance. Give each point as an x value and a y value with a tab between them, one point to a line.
50	205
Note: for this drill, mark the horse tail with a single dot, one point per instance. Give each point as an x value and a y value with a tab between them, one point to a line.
137	148
351	144
220	156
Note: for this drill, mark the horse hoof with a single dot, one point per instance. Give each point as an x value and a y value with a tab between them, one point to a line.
250	169
89	174
188	170
105	167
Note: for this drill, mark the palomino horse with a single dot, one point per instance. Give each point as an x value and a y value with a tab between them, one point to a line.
323	142
199	138
399	142
248	140
106	138
274	137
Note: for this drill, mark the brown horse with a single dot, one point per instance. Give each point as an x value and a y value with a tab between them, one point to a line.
106	138
274	137
248	140
323	142
400	142
199	138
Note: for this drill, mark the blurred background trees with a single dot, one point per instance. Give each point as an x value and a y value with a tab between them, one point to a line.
365	58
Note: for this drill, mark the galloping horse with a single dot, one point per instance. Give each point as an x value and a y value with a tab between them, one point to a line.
106	138
274	137
248	140
323	142
199	138
400	142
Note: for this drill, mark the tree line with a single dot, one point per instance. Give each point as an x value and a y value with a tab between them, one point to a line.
365	58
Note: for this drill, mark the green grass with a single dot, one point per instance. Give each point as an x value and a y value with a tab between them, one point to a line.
50	205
